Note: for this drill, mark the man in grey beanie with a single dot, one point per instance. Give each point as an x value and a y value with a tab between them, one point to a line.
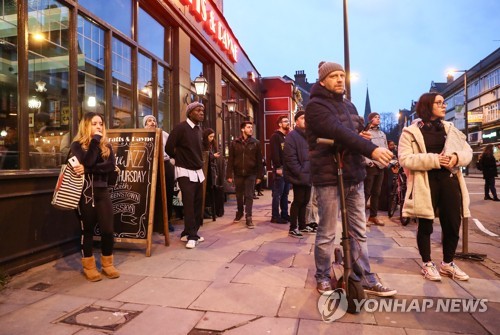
185	145
329	115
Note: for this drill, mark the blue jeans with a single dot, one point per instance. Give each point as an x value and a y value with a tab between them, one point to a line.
280	197
328	209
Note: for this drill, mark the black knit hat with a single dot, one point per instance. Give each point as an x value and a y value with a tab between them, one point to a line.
299	114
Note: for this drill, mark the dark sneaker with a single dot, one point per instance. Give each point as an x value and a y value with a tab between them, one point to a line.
238	217
323	287
249	223
295	233
313	225
309	230
278	220
380	290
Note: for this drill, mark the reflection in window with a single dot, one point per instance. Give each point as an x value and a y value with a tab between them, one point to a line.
48	62
90	67
122	115
145	86
151	34
163	98
9	140
117	13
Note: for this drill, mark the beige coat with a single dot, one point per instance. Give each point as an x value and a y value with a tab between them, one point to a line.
415	160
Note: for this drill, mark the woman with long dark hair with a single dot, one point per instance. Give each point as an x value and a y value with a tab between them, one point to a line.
432	151
488	165
210	145
95	155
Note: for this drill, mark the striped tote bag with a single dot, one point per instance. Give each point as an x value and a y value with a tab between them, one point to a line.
68	189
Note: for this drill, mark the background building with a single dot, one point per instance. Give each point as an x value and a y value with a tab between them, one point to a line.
122	58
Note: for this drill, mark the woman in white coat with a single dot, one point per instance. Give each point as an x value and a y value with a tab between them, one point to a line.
431	151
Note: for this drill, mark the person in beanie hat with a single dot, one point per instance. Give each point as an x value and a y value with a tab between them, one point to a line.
149	122
297	172
329	115
298	114
374	170
192	106
325	68
185	146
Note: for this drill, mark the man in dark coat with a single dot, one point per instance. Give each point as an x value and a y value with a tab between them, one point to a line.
245	166
297	172
280	185
329	115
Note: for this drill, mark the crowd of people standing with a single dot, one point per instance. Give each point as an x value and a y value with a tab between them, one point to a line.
431	151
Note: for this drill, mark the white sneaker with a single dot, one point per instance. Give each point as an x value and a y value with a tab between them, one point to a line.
452	270
185	239
191	244
430	272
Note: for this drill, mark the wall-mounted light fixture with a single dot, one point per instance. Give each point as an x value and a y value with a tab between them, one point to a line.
231	105
91	101
200	85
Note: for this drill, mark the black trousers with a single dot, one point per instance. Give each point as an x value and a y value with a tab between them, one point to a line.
244	187
447	199
301	196
192	199
98	211
373	186
489	185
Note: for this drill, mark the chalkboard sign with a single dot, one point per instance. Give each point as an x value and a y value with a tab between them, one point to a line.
133	197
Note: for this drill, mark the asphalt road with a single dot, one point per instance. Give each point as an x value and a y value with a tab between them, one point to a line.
487	212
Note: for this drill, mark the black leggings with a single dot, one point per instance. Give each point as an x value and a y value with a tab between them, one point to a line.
447	198
98	211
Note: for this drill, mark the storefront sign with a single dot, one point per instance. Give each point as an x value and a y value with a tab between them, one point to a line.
475	117
491	135
213	26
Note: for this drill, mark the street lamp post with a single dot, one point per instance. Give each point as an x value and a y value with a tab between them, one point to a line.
465	254
347	64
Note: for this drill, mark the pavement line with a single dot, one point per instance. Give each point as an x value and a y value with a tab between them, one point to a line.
482	228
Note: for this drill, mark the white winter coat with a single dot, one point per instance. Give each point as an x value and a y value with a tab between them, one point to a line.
415	160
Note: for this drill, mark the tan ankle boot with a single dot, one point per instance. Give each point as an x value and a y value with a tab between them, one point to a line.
107	267
90	270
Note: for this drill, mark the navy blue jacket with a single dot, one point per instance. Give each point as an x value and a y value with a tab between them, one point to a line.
296	158
329	115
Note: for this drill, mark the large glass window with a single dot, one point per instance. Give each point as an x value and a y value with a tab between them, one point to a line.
123	114
164	75
151	34
117	13
90	66
145	86
9	112
48	61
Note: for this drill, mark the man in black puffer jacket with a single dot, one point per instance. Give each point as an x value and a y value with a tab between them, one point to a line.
329	115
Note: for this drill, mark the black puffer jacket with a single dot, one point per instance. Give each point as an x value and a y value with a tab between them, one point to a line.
489	166
329	115
296	158
245	158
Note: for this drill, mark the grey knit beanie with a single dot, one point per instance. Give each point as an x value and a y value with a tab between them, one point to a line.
146	118
192	106
325	68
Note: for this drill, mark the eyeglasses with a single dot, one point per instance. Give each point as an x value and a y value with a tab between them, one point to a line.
441	103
